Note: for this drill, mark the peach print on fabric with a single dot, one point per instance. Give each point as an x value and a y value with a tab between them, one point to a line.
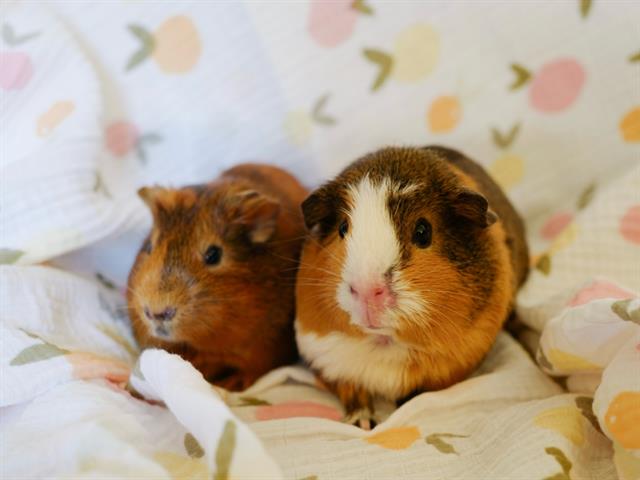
555	87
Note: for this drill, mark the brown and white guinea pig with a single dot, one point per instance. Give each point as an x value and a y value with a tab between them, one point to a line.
411	267
214	281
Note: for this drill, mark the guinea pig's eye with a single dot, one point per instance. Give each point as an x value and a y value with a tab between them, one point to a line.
343	229
146	246
422	234
213	255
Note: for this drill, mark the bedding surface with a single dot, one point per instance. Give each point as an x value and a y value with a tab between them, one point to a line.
99	98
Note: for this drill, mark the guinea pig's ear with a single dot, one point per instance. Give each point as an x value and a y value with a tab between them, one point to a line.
258	213
474	207
152	196
319	210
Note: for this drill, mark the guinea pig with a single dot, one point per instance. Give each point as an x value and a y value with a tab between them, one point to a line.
214	280
410	269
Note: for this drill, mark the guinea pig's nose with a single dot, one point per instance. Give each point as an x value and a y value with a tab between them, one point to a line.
376	292
165	315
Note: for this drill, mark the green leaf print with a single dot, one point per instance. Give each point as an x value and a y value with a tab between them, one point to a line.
12	39
436	440
621	308
318	114
586	196
585	7
362	7
252	402
148	44
384	63
522	76
224	453
544	264
585	405
564	462
192	446
9	256
37	353
505	141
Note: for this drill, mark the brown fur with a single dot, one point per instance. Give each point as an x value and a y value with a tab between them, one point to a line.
234	320
469	275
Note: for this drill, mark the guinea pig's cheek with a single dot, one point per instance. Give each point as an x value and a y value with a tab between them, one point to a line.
345	299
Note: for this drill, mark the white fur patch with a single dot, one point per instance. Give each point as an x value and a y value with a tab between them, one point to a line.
372	243
372	249
378	369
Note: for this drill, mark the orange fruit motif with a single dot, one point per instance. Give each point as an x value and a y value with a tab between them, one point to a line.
49	120
507	170
175	46
567	421
178	46
444	114
623	419
630	126
395	438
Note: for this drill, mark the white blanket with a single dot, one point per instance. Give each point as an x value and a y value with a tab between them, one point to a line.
97	99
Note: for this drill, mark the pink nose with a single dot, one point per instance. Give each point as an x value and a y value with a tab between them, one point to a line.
373	300
373	294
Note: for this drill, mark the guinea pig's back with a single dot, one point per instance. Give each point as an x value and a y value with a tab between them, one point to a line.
273	181
500	204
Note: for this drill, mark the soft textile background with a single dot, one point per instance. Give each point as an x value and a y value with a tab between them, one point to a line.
545	94
98	98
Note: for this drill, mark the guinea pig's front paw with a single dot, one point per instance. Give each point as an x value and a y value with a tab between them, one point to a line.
236	382
363	418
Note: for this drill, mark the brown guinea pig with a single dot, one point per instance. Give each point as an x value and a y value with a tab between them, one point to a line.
410	270
214	281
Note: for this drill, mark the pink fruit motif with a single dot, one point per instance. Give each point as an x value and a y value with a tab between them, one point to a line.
331	23
16	69
630	225
599	290
121	138
555	225
297	409
555	87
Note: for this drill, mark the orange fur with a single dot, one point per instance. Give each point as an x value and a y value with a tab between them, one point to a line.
460	323
233	320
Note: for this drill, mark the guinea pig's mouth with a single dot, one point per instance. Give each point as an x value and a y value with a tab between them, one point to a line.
376	332
163	331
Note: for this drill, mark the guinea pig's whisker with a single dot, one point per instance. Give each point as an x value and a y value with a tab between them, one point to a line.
311	284
331	255
329	272
288	240
136	295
